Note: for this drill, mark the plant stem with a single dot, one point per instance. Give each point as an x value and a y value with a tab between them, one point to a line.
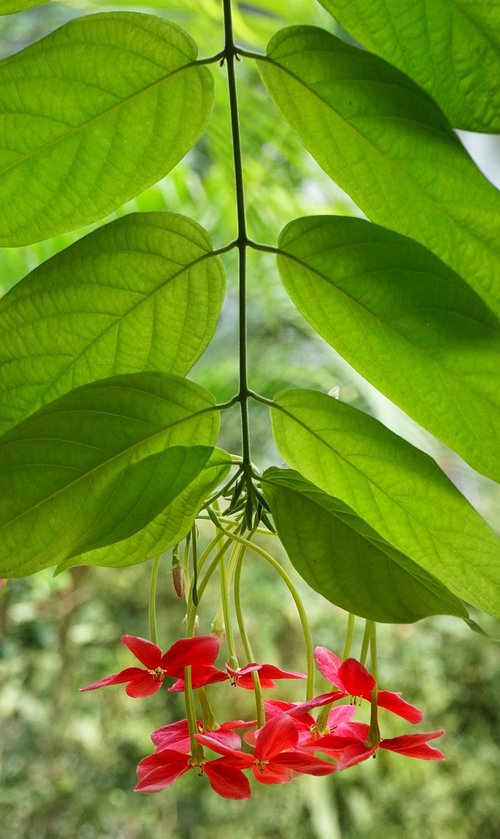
153	630
259	699
230	55
349	636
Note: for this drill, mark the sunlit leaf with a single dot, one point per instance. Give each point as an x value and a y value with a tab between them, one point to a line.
98	464
167	529
141	293
387	144
451	48
406	322
94	113
395	488
345	560
10	7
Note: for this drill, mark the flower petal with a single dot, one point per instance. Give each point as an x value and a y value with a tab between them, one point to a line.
354	754
143	685
415	745
393	702
328	665
200	677
226	780
202	650
304	763
355	678
148	653
160	770
116	679
174	736
276	736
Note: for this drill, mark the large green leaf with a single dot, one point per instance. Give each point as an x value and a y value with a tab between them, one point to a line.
346	561
167	529
98	464
395	488
94	113
141	293
10	7
406	322
385	142
451	48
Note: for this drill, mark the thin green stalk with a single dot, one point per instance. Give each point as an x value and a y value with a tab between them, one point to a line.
191	614
306	631
226	609
349	636
153	629
365	643
259	699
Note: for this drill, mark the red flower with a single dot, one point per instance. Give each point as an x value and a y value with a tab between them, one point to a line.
176	735
242	677
275	759
197	652
352	748
160	770
353	679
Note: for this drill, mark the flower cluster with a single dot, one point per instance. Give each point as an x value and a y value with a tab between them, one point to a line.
290	741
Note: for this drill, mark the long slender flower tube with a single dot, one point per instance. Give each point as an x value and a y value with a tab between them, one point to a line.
352	679
199	653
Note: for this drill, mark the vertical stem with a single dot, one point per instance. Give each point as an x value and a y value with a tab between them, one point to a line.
230	55
153	631
349	636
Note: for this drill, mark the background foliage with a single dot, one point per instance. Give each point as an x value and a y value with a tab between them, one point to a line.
67	759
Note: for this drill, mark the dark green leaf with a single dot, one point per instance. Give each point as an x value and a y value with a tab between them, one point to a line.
94	113
141	293
395	488
346	561
385	141
165	530
97	464
406	322
451	48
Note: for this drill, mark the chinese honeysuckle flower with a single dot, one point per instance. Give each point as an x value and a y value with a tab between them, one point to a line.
352	679
275	759
352	746
199	653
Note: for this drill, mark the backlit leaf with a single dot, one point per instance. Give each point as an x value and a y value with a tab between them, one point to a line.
141	293
406	322
451	48
167	529
10	7
387	144
98	464
345	560
395	488
94	113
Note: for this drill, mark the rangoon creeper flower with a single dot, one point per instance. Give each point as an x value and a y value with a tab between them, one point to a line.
275	759
242	677
176	735
160	770
352	679
199	653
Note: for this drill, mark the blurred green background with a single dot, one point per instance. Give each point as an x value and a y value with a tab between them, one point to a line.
67	760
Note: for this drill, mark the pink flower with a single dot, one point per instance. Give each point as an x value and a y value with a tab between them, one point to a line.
275	759
352	679
199	653
176	735
352	748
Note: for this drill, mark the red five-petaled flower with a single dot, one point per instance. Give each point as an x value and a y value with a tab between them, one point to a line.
275	759
160	770
199	653
242	677
352	679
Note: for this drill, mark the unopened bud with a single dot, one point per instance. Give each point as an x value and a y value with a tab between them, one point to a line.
178	580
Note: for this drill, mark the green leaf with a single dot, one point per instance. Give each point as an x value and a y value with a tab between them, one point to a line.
141	293
387	144
98	464
167	529
395	488
346	561
451	48
95	112
10	7
406	322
